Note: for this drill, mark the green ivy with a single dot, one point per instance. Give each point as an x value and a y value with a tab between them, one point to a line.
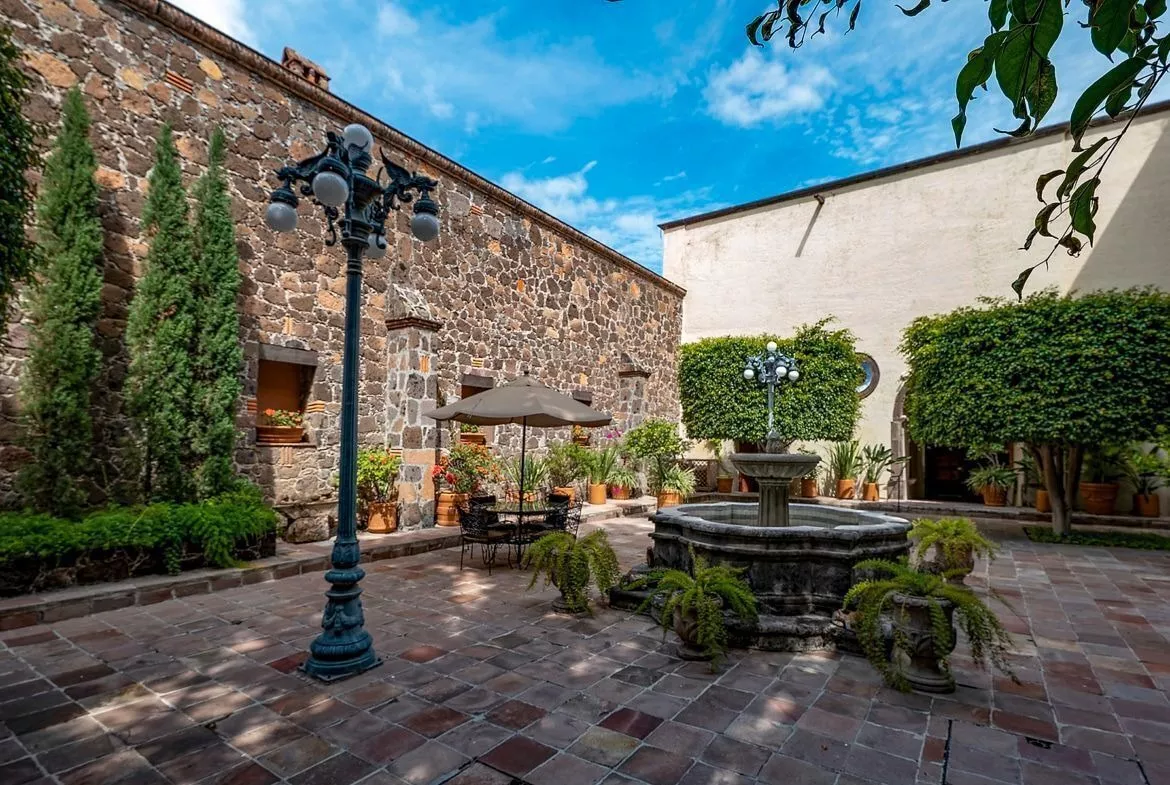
718	403
1145	541
18	154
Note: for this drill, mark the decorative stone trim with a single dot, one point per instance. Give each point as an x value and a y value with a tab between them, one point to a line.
406	322
248	58
288	354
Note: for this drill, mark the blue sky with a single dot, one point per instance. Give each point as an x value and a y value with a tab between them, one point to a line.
617	116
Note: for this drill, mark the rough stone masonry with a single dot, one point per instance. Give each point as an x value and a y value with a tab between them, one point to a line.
507	288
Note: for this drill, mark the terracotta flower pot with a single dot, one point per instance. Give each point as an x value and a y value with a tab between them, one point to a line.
723	484
279	434
447	505
383	517
1100	498
473	437
994	496
566	490
808	487
1148	505
845	488
619	493
597	493
581	441
915	627
1043	503
871	492
669	499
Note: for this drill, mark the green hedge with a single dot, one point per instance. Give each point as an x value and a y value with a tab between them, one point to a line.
40	552
718	403
1146	541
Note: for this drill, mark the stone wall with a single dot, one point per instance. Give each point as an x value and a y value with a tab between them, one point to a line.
507	288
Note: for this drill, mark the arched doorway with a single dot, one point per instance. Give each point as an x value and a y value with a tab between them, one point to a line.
906	480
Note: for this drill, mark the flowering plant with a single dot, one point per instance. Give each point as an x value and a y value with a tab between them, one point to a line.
464	469
580	434
612	434
282	418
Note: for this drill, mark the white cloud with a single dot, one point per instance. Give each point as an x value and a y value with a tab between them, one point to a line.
549	159
627	224
758	88
227	16
672	177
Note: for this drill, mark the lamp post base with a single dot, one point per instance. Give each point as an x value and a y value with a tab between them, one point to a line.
344	648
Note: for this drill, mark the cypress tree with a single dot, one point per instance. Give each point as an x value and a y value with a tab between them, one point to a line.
160	334
218	357
18	154
64	360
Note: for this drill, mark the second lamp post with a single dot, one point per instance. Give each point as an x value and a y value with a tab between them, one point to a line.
356	206
770	369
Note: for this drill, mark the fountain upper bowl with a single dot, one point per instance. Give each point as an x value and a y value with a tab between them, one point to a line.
774	466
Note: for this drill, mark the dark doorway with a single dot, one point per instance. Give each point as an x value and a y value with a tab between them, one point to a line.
947	469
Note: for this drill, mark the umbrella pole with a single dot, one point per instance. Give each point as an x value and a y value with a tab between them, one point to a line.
523	446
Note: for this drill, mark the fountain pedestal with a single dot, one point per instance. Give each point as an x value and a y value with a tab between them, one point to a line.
774	473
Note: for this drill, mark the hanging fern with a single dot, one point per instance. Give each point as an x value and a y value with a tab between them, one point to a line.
704	592
571	564
954	539
874	600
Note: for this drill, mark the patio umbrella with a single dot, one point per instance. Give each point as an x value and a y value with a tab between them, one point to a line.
527	402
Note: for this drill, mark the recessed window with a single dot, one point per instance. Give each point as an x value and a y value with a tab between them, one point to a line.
282	387
869	368
474	384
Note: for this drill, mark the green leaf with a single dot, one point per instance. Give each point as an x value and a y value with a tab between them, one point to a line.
1049	23
754	26
1096	94
1043	181
853	15
916	10
1040	92
1163	48
1109	21
976	72
1072	243
1019	283
1077	166
1010	63
1082	206
1044	216
1031	237
1115	104
1155	8
997	12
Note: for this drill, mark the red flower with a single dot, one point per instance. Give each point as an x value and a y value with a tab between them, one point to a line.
450	478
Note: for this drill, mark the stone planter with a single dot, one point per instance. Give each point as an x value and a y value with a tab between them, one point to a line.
871	492
597	493
723	484
619	493
994	496
566	490
447	504
279	434
669	499
1100	498
846	488
934	563
686	627
1148	505
308	521
920	659
1043	503
383	518
808	487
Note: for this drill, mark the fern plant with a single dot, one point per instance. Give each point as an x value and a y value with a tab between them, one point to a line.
573	564
875	599
699	597
955	540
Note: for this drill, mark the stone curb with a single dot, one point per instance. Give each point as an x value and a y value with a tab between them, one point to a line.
30	610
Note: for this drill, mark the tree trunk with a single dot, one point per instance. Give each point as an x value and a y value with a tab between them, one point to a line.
1061	467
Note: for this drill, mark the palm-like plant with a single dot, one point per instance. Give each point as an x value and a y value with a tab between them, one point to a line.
571	564
878	596
1145	470
845	459
601	465
623	476
676	478
699	597
877	460
534	476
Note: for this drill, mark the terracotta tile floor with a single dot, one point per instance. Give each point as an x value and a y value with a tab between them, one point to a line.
482	684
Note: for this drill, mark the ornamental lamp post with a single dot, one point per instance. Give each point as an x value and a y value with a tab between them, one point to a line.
356	206
770	369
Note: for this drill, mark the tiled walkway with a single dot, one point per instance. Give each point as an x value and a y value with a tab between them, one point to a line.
481	684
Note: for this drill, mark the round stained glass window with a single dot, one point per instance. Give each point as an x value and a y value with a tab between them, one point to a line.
869	367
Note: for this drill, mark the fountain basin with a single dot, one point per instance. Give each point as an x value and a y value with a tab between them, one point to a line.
799	573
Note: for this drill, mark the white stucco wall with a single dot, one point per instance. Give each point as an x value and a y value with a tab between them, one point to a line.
925	241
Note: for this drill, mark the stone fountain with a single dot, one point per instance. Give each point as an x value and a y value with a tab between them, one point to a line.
798	558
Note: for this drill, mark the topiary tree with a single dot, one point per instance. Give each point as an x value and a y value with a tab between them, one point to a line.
63	359
18	154
718	403
218	358
161	334
1060	374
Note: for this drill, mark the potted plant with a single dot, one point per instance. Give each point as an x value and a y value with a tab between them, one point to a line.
1035	480
566	467
622	481
456	476
572	564
844	466
599	467
471	434
535	477
723	477
580	436
921	610
281	426
674	483
1104	466
692	604
377	470
876	460
948	546
992	481
1145	471
810	483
